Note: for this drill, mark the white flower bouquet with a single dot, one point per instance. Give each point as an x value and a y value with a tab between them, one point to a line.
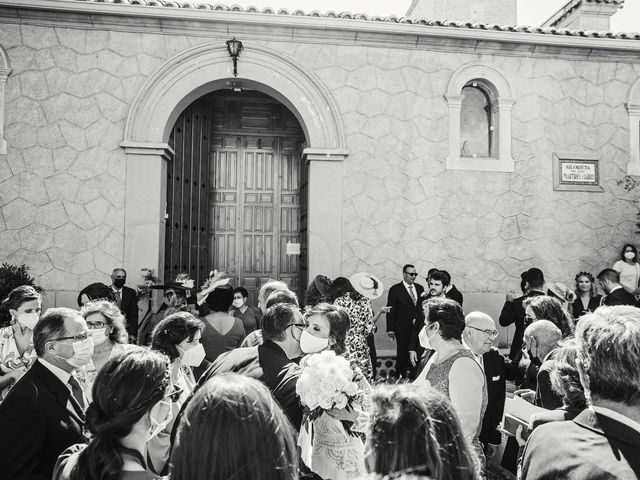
327	382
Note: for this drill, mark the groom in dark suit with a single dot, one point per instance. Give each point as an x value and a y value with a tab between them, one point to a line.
404	300
609	280
602	442
43	413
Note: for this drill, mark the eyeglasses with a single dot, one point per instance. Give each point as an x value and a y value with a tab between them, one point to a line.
97	324
175	393
490	333
83	337
412	274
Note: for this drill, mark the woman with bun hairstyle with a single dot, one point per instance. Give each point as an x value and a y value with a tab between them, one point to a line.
19	313
131	402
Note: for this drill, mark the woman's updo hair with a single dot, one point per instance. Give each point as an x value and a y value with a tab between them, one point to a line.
448	313
17	296
220	299
172	330
125	389
339	324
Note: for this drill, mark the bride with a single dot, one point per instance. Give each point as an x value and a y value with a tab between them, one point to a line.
327	448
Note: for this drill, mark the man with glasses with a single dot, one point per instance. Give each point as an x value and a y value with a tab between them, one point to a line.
43	414
479	334
406	306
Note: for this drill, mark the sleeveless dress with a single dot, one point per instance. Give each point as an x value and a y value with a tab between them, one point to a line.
437	375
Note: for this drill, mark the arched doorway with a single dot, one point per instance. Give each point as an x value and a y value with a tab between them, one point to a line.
197	72
236	190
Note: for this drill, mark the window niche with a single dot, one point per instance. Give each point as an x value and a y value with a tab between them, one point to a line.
480	103
633	107
4	75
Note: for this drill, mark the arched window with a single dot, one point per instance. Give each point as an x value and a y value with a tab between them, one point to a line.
4	75
480	103
633	107
476	126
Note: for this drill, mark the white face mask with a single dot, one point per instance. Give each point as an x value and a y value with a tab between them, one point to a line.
28	320
99	335
629	255
82	353
158	424
238	303
311	344
424	339
194	356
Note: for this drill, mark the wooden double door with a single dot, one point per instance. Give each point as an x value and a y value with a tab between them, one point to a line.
247	212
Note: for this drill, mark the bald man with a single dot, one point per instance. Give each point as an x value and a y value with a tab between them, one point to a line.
479	335
541	338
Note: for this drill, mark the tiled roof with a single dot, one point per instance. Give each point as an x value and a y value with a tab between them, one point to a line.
376	18
571	5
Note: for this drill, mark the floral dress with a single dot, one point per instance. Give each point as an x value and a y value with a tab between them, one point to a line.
10	358
361	318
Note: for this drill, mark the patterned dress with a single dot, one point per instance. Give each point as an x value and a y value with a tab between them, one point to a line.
10	358
361	318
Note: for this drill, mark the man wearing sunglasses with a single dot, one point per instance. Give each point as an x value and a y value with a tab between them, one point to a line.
404	300
43	414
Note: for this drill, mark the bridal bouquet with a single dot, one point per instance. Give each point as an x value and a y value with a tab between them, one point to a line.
327	382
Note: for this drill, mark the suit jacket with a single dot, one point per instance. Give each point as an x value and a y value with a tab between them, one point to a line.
403	311
129	308
269	364
454	294
495	373
590	447
620	297
37	426
513	312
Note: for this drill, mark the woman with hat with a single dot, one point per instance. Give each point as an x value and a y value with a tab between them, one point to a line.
360	313
174	299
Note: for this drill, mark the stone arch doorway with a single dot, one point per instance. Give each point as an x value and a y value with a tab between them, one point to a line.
200	71
236	192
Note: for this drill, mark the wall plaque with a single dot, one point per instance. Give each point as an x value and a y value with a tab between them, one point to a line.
576	172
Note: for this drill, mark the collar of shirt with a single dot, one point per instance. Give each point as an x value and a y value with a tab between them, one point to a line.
448	288
115	289
57	371
607	412
614	289
407	286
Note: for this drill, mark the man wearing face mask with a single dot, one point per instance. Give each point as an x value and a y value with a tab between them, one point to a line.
44	412
174	299
127	300
541	338
272	362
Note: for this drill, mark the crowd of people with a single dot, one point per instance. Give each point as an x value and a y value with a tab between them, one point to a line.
207	387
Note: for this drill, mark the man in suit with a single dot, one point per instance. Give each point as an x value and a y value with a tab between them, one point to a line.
479	334
404	300
609	281
450	291
43	413
513	309
602	442
272	362
127	300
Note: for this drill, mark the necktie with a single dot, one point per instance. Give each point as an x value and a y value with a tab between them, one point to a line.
118	295
78	396
413	295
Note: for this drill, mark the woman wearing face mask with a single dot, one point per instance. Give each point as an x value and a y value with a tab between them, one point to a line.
327	449
222	331
453	370
178	337
174	299
629	269
107	329
19	313
131	402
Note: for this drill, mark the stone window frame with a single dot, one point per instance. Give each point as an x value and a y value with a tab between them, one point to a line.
633	107
5	70
501	95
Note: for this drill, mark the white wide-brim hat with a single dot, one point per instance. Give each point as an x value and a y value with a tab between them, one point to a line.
367	285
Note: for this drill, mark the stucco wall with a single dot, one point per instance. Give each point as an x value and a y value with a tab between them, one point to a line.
63	179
